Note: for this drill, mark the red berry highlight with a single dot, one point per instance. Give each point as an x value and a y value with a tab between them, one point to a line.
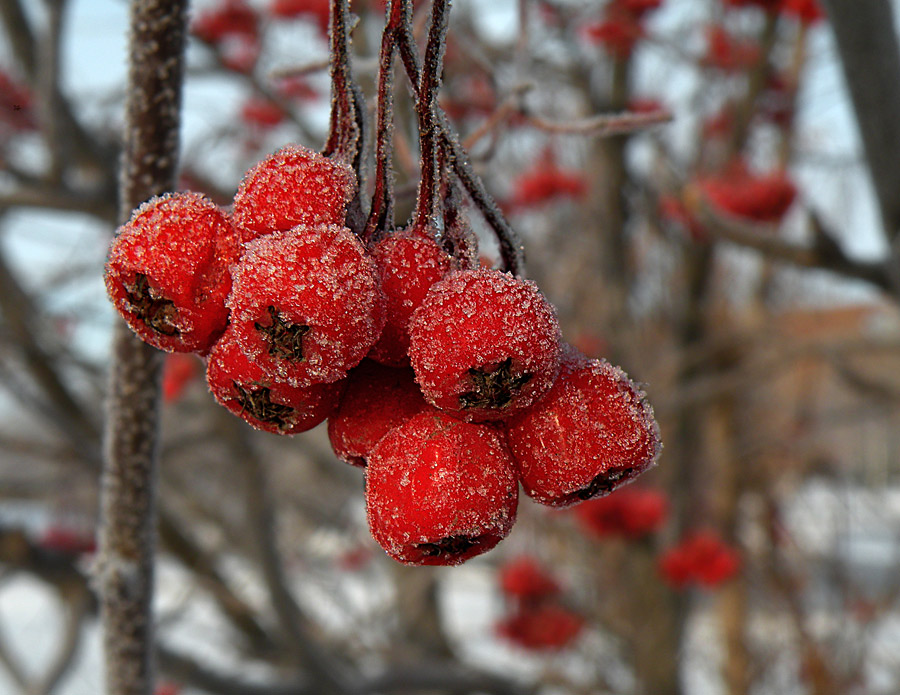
593	432
294	186
267	404
377	399
168	272
440	491
306	304
484	344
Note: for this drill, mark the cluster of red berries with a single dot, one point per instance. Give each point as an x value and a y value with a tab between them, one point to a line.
631	513
702	559
537	620
450	386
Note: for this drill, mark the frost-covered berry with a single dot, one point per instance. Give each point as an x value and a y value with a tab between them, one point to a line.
593	432
293	186
440	491
484	344
253	395
306	304
410	263
377	399
168	272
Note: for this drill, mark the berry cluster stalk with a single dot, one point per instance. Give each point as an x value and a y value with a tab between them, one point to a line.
125	565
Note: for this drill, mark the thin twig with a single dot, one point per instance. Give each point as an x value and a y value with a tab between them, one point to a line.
426	105
512	250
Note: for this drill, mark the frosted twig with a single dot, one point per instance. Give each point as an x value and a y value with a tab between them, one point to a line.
125	573
603	125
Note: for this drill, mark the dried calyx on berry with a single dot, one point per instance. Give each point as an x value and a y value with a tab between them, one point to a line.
306	305
484	344
169	271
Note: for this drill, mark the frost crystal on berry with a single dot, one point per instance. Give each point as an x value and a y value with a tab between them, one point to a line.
377	399
249	392
168	272
306	304
440	491
409	263
294	186
484	344
592	433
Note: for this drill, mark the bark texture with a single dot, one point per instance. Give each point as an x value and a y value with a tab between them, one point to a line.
125	569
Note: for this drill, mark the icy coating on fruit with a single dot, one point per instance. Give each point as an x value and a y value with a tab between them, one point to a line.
265	403
168	271
409	263
592	433
484	344
306	304
377	399
293	186
439	490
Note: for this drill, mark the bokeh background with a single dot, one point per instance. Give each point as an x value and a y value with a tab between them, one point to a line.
737	261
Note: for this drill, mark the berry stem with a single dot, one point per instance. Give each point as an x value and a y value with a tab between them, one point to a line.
381	216
511	249
426	104
125	566
344	133
459	239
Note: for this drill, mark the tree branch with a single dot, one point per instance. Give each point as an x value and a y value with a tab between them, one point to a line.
125	565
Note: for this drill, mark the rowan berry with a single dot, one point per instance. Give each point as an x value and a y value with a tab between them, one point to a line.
593	432
526	580
377	399
440	491
541	627
409	263
306	304
700	558
168	272
484	344
252	394
630	513
294	186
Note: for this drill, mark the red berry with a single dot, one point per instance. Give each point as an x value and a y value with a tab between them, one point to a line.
631	513
266	403
168	272
377	399
593	432
409	263
178	371
294	186
542	627
484	344
526	580
306	304
700	558
440	491
68	541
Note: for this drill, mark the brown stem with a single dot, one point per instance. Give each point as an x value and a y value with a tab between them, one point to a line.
344	131
381	216
512	251
125	564
426	104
